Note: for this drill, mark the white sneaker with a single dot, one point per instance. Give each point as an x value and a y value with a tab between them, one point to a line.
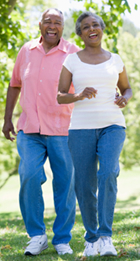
90	249
105	247
63	249
36	245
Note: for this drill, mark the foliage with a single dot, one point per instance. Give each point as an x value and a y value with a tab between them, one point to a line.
128	47
20	23
110	11
126	238
129	50
10	29
17	25
69	27
13	36
129	27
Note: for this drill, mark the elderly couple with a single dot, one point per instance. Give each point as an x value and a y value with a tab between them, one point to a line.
96	126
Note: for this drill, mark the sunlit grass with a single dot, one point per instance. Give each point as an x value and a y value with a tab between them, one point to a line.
128	197
13	239
126	226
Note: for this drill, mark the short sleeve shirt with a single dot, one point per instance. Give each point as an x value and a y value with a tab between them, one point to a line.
37	73
101	111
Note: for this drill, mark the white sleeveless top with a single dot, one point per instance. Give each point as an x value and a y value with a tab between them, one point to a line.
101	111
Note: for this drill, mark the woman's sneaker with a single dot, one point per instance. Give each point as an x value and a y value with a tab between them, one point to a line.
63	249
90	249
36	245
105	247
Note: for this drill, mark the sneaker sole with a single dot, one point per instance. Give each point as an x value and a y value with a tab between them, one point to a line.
108	253
84	255
61	254
92	254
27	253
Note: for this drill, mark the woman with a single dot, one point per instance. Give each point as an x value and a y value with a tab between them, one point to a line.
97	129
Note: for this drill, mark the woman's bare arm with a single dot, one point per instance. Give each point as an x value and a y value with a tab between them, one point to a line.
125	90
64	86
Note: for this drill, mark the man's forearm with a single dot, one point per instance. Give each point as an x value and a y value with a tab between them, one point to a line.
12	96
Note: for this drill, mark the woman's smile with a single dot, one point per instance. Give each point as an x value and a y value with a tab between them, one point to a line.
93	35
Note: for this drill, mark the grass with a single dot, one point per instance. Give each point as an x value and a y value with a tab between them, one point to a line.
128	197
10	192
126	226
126	238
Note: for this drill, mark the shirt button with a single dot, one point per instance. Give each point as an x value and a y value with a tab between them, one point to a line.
40	80
43	68
39	93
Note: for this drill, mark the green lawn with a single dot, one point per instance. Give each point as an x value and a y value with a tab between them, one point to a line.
126	226
126	238
9	193
128	192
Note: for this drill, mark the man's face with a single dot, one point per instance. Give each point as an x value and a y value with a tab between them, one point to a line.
51	27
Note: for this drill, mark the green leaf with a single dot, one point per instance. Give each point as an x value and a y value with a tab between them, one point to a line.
136	7
117	2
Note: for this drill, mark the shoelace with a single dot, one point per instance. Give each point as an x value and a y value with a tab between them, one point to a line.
106	239
34	239
89	245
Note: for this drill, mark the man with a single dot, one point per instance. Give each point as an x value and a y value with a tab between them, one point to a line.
42	132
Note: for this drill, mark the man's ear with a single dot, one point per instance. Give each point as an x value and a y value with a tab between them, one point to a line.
40	25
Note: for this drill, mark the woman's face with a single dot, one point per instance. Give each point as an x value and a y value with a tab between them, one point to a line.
91	31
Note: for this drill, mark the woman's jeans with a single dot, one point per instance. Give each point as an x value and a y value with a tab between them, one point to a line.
95	154
34	150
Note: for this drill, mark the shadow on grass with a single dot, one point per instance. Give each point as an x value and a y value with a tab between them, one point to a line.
13	238
11	219
129	203
13	233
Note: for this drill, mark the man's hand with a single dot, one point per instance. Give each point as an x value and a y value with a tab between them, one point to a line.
7	129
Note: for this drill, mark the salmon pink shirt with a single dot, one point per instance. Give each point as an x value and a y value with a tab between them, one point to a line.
37	73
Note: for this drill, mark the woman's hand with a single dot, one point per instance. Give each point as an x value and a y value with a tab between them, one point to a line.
120	101
125	90
88	92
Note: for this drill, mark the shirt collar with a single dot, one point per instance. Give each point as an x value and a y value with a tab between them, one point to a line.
61	46
35	43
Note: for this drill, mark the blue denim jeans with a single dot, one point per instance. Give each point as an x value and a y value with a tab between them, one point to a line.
33	150
95	154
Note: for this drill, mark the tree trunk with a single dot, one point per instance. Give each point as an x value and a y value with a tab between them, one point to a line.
11	5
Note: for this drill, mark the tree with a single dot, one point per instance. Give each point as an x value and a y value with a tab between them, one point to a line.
128	47
110	11
129	27
19	23
16	28
69	27
129	50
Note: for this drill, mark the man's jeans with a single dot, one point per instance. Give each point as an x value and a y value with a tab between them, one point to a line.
33	150
93	149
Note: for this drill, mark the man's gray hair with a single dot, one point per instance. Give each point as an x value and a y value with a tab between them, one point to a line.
83	16
47	10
